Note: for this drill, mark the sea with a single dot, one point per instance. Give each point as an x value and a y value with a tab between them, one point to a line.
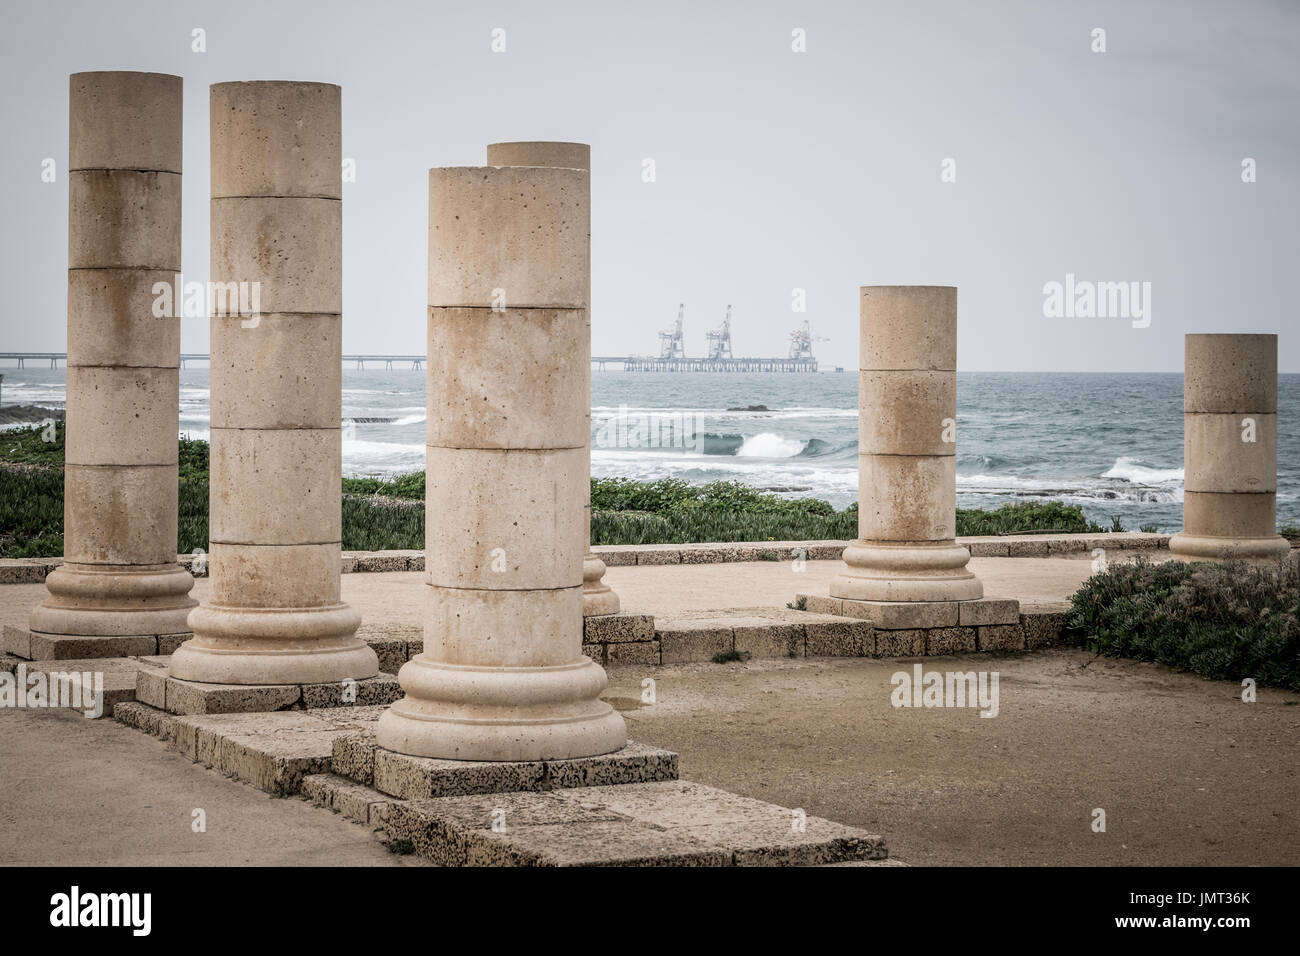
1111	443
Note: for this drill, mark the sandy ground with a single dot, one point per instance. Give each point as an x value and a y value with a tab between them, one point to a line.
1186	772
77	792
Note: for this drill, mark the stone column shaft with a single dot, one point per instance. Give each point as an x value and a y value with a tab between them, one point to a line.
503	676
120	576
1230	448
597	596
275	615
906	548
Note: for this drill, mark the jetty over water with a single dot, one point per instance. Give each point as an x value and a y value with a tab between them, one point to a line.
647	363
629	363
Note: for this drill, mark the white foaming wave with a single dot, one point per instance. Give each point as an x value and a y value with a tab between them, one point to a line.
1128	469
769	445
409	419
196	434
1069	489
381	450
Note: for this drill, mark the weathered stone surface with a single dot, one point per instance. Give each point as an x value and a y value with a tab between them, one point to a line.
685	641
821	604
640	653
900	643
193	697
948	640
902	616
353	756
617	628
987	611
770	640
51	647
413	778
1042	626
1000	637
380	689
655	824
843	638
1027	548
151	686
142	717
659	554
354	801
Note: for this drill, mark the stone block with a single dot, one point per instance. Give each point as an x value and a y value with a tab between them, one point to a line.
193	697
988	611
54	647
1042	628
378	690
640	653
687	641
667	554
770	640
1000	637
948	640
1027	548
618	628
902	615
900	643
839	638
821	604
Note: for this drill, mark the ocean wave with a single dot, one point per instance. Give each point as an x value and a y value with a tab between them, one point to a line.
1131	469
769	445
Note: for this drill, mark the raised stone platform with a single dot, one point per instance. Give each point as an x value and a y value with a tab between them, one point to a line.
155	688
675	823
360	759
37	646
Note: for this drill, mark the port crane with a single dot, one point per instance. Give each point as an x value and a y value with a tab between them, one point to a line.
720	339
801	342
672	342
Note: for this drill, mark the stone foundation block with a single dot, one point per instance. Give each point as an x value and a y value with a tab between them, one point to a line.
949	640
987	611
617	628
1000	637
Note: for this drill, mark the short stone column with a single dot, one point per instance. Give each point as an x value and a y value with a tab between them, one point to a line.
1230	448
120	578
597	596
906	548
502	675
275	615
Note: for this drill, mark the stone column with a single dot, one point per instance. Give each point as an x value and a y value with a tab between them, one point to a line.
906	548
1230	448
597	596
275	615
120	577
503	676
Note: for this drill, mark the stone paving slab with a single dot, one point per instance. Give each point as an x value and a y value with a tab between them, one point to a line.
194	697
116	674
37	646
672	823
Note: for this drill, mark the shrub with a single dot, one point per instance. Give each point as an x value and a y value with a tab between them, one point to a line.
1223	621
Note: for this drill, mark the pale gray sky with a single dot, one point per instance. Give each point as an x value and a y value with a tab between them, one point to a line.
775	170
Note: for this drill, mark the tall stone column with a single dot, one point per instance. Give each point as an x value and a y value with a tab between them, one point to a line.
275	615
597	596
120	577
906	548
503	676
1230	448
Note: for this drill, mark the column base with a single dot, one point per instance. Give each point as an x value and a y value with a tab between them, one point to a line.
597	597
89	600
240	645
1214	547
460	712
908	571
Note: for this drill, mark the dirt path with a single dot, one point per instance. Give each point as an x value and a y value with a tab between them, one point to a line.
1186	772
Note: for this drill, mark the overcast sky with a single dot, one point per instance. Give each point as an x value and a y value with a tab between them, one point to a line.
775	169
